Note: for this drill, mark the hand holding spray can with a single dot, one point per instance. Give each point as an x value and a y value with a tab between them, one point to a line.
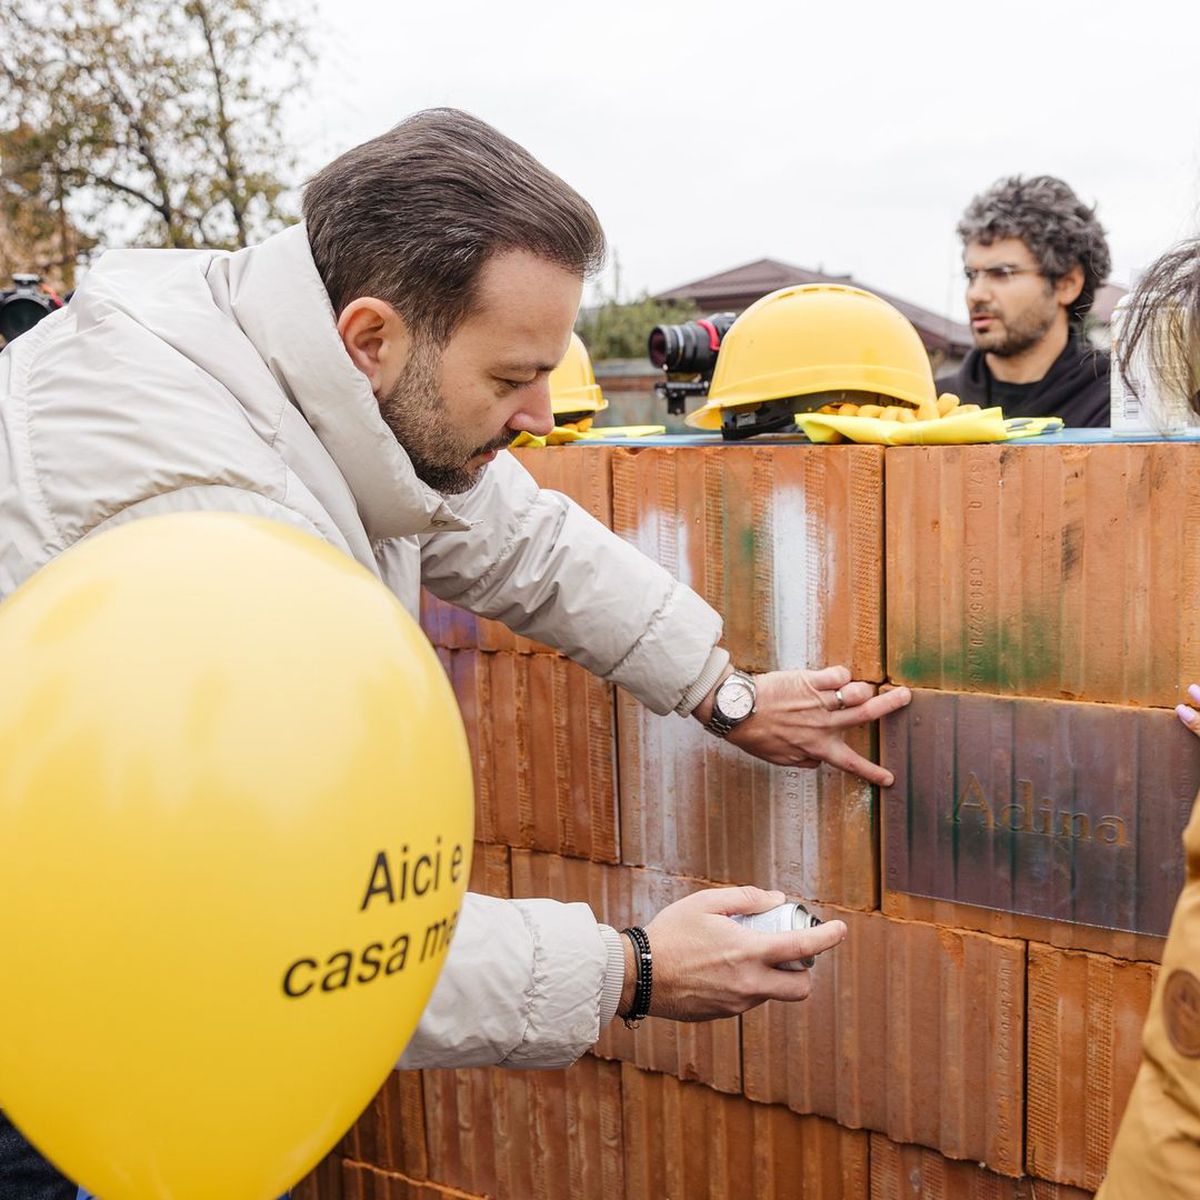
781	919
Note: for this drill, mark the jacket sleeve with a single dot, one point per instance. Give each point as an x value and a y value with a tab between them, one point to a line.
527	983
1157	1148
547	569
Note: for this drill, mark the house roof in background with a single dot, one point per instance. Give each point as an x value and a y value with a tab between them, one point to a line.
739	287
1106	301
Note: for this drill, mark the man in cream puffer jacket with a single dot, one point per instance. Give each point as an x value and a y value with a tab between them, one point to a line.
300	380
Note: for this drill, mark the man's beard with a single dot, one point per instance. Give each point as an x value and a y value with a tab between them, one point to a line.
415	412
1022	333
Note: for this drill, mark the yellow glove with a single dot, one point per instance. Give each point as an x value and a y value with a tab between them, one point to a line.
561	434
963	426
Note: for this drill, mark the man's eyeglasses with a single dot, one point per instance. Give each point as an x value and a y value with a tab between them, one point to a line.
1000	274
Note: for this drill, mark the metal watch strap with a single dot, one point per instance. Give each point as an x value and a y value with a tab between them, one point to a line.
718	725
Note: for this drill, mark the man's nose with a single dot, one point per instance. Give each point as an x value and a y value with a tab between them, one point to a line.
534	414
979	286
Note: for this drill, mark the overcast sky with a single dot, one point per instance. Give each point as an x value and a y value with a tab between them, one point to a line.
840	136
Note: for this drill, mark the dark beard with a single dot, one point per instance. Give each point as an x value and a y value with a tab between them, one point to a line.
1023	333
1019	339
415	412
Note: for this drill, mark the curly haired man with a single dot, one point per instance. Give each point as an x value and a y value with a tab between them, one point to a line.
1034	256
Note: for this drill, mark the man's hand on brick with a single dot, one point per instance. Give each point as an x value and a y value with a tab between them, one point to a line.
801	718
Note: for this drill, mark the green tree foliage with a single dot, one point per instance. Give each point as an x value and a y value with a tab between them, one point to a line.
615	330
151	121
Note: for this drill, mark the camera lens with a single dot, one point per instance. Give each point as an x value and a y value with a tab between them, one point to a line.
661	344
690	348
19	316
22	308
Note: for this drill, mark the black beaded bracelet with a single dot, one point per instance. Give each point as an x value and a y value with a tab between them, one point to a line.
645	976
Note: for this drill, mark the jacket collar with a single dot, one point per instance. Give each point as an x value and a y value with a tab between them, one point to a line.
277	297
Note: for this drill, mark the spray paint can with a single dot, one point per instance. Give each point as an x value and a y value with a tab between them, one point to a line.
782	919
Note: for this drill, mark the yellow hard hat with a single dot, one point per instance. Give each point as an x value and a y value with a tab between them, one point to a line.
808	341
573	387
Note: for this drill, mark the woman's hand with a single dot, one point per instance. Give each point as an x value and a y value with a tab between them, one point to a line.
1189	716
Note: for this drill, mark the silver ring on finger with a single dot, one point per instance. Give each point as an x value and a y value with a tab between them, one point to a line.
840	698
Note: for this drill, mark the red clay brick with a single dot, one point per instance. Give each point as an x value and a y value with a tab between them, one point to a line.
683	1140
915	1173
581	472
390	1134
1055	571
1085	1028
912	1030
1067	812
323	1183
707	1051
491	874
519	1134
694	805
541	731
786	542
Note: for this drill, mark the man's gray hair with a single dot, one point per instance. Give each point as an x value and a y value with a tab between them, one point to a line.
1059	229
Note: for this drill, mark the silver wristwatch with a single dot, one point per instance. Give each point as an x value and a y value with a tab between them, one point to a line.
733	703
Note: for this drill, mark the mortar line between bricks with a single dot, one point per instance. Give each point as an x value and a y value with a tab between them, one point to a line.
421	1076
614	700
1024	1129
883	571
446	1188
876	734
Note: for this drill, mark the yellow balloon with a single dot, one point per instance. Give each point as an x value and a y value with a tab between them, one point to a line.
236	811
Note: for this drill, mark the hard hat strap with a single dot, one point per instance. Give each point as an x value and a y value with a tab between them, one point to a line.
768	417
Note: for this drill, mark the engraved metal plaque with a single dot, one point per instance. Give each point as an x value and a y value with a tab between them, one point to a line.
1067	811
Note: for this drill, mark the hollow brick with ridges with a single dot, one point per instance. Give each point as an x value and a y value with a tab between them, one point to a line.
912	1030
684	1140
513	1135
1086	1013
324	1182
390	1133
1057	571
580	472
694	805
491	874
916	1173
785	542
541	731
706	1051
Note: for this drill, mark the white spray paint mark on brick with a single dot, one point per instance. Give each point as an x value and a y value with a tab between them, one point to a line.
802	575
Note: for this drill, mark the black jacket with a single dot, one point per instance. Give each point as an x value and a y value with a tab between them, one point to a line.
1075	388
25	1174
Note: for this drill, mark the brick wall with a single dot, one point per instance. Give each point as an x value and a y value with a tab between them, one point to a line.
977	1034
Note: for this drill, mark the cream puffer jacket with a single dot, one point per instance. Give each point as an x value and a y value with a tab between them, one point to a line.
208	380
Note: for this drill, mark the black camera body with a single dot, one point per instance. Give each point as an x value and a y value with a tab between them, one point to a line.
23	305
687	353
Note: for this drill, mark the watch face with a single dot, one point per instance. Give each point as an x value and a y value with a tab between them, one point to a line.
735	699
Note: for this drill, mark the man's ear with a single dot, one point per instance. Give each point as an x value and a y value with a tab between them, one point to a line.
377	339
1067	287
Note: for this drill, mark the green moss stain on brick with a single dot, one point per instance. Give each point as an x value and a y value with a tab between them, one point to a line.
989	659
